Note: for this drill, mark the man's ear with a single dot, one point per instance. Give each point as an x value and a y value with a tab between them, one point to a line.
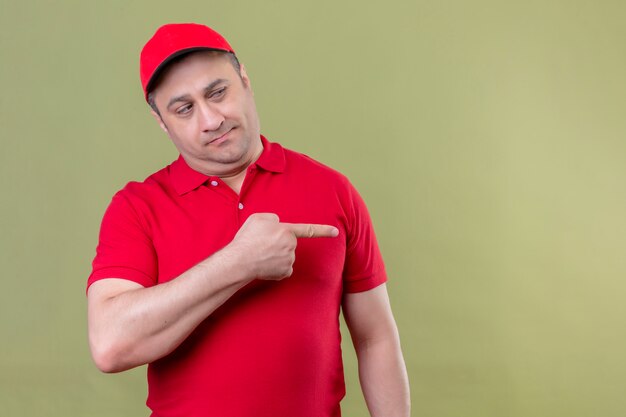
244	76
159	120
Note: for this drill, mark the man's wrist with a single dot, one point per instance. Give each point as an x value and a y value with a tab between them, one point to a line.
233	263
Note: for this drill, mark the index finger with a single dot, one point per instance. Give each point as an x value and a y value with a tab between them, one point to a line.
312	230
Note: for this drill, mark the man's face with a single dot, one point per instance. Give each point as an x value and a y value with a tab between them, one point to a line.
207	109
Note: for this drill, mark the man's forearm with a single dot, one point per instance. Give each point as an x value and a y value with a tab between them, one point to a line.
136	327
384	379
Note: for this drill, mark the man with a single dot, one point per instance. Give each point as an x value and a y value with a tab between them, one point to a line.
225	271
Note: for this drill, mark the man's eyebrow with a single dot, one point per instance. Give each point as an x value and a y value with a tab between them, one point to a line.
186	97
177	99
214	84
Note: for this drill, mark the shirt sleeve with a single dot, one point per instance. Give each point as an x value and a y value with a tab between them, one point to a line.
125	249
364	268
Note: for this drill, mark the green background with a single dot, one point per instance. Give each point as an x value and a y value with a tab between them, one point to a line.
487	137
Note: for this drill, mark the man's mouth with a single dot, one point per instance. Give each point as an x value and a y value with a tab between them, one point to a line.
220	139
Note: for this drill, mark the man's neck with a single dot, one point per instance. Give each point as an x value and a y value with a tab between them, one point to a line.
235	181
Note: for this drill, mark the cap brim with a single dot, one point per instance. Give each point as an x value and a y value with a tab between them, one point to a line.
157	72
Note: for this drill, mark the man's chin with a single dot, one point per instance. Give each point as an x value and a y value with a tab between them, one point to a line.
229	158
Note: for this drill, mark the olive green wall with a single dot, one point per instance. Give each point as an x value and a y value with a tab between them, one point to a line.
487	137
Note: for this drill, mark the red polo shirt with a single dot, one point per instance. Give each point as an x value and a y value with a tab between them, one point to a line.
273	349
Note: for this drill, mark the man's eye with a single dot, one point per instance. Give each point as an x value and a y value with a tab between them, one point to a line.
218	93
184	109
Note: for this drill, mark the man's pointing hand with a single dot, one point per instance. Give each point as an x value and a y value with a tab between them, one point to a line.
268	246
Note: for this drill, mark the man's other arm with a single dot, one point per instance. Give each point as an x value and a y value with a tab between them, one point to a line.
130	325
382	371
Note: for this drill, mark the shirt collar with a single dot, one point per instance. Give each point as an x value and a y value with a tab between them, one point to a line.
184	178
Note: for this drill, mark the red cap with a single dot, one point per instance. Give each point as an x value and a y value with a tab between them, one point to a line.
172	40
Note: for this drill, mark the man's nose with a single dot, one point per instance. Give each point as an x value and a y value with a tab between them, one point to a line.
210	118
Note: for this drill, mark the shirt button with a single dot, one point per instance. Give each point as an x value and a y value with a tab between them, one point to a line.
214	183
240	206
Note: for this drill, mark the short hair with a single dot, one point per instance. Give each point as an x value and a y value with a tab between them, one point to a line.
162	71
